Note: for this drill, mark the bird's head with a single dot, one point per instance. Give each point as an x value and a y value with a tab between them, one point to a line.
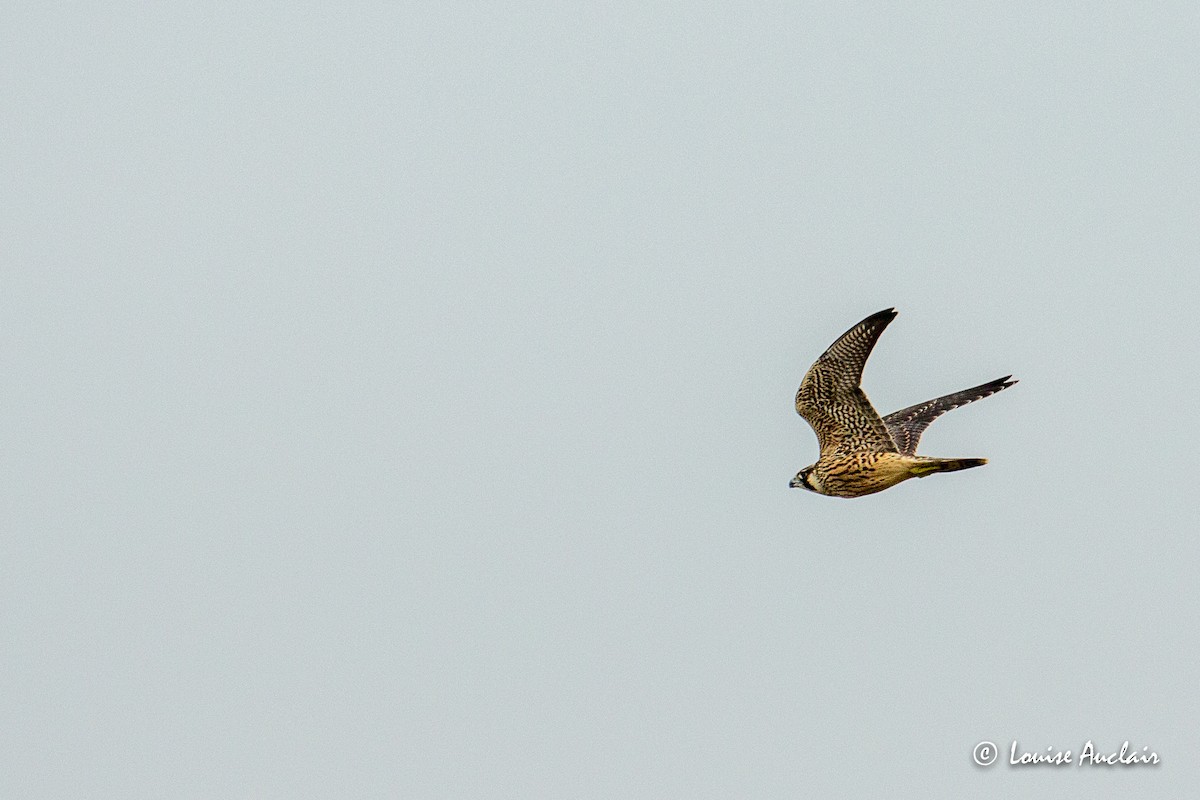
806	479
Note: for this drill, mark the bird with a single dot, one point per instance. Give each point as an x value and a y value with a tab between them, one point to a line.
861	452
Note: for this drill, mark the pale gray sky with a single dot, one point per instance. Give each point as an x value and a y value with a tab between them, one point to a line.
397	399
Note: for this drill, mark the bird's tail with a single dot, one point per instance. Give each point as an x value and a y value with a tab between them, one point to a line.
946	465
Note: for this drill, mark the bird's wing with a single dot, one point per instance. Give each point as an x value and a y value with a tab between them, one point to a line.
831	400
907	425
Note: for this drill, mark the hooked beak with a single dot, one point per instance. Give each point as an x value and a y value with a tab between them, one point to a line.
795	484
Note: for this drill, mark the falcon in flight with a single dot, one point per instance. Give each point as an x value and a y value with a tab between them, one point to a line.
860	452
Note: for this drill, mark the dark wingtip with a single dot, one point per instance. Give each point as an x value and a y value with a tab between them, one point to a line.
888	313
